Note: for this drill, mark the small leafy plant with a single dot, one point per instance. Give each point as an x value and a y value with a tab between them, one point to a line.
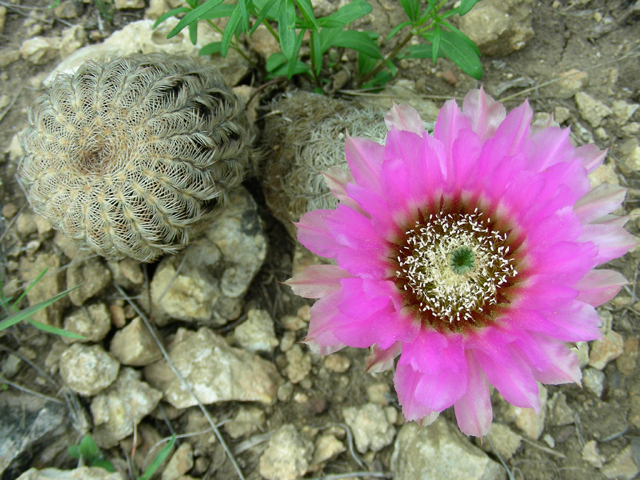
328	35
88	453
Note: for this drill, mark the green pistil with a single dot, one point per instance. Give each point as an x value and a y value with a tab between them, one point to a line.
462	260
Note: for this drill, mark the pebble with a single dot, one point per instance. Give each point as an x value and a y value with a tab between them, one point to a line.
285	391
337	363
256	333
263	43
129	4
623	466
582	351
569	83
82	473
608	348
3	18
287	455
118	409
530	422
26	224
8	55
440	451
629	152
196	421
181	462
370	427
287	341
592	110
561	114
215	371
628	361
591	454
299	364
9	210
593	381
40	50
504	441
88	370
293	323
247	421
134	345
67	9
631	129
379	393
89	275
623	111
92	322
326	447
559	412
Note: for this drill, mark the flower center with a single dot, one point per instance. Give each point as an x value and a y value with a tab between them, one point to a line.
453	268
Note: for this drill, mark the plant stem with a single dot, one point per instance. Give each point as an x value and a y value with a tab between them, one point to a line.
388	58
265	22
234	45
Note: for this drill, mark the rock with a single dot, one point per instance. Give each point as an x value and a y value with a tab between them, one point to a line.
608	348
623	111
89	275
559	412
82	473
504	441
567	85
215	371
43	226
592	110
256	334
3	18
440	451
263	43
26	224
591	454
370	426
499	27
134	345
181	462
629	153
561	114
378	393
118	409
527	420
287	455
628	361
88	370
129	4
285	391
326	447
631	130
299	364
127	272
8	55
93	323
593	381
247	421
34	432
48	286
68	9
623	466
288	340
208	280
40	50
403	91
10	366
605	173
293	323
71	40
337	363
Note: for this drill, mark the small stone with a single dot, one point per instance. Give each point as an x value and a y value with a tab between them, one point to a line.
134	345
93	323
293	323
9	210
299	364
288	340
623	111
608	348
181	462
593	381
561	114
67	9
48	286
631	129
559	412
530	422
118	318
287	455
247	421
43	226
327	447
88	370
623	466
82	473
263	43
285	391
90	276
26	224
337	363
549	440
11	366
629	153
591	454
3	18
129	4
370	426
118	409
582	351
569	83
379	393
256	333
628	361
592	110
504	440
40	50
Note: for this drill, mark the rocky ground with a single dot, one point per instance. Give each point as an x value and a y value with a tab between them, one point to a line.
219	314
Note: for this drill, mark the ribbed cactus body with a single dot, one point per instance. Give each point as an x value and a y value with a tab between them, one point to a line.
128	157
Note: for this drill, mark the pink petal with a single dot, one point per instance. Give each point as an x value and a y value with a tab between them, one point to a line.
466	151
483	112
564	364
317	281
612	240
381	360
405	380
591	156
314	234
599	202
404	117
473	411
599	286
375	207
365	158
320	339
336	179
549	147
513	132
450	122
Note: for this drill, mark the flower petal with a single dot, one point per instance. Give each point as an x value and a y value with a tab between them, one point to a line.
592	157
314	233
564	365
365	158
317	281
483	112
380	359
405	380
599	202
404	117
513	132
320	339
599	286
473	411
336	179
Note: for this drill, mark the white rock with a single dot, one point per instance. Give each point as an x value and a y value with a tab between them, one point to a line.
606	349
40	50
591	454
71	40
82	473
326	447
623	111
299	364
181	462
247	421
89	275
134	345
256	333
630	153
559	412
93	323
88	370
287	455
593	381
127	4
530	422
370	427
623	466
504	440
592	110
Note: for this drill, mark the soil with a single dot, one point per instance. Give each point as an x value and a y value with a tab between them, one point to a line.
596	36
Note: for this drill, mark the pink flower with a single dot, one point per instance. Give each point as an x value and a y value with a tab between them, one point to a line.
469	252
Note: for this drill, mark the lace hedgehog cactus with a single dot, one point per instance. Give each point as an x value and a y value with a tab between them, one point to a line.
130	156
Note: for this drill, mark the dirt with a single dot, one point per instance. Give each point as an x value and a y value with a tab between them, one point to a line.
568	35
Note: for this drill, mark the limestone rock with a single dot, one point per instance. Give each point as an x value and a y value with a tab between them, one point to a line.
337	363
89	275
117	410
129	4
370	426
629	153
593	381
256	333
326	447
504	440
592	110
440	451
68	9
628	361
608	348
93	323
530	422
559	412
287	455
623	466
215	371
88	370
134	345
181	462
247	421
47	287
299	364
71	40
567	84
82	473
40	50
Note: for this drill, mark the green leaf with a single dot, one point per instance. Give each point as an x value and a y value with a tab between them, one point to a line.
411	8
359	41
466	6
306	9
267	7
194	16
88	448
326	37
392	68
274	61
379	81
421	50
230	29
27	312
169	14
151	469
435	42
244	13
193	33
397	28
460	53
347	14
462	37
56	331
365	63
105	464
74	451
220	12
300	67
211	48
192	3
296	50
287	28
